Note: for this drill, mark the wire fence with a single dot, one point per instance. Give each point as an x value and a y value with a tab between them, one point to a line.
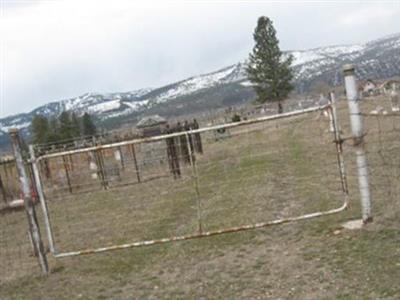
382	124
16	252
190	184
196	183
99	194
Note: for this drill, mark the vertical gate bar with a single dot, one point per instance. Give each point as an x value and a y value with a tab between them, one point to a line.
66	167
42	199
358	136
135	161
28	203
339	146
196	183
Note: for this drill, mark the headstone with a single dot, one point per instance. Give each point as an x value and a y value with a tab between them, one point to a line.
117	155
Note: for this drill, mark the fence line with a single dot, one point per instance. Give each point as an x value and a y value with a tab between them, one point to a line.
198	203
186	139
177	134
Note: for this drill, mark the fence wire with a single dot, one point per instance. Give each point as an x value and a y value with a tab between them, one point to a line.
382	126
219	179
16	253
224	178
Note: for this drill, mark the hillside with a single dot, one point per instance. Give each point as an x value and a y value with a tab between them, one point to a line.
376	59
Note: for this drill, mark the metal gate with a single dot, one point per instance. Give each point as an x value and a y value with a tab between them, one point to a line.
192	183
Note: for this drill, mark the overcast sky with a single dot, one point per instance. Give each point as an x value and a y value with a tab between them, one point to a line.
53	50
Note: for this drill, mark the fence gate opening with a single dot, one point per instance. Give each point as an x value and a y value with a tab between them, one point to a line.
191	184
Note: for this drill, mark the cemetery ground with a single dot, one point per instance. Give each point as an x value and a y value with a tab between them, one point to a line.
313	259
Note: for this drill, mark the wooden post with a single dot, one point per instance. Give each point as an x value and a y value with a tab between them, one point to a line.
32	178
100	167
7	177
66	167
5	169
135	162
3	190
34	229
100	164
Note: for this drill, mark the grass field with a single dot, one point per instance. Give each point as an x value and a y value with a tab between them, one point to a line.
277	169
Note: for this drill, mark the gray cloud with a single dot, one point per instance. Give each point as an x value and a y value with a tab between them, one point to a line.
52	50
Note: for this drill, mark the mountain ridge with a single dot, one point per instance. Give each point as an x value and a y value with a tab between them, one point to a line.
379	58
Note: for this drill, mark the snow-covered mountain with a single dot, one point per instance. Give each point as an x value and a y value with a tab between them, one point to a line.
376	59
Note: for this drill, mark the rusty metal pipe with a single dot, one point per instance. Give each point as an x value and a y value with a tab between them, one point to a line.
203	234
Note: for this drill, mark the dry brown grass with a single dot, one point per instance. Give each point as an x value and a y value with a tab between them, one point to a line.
285	168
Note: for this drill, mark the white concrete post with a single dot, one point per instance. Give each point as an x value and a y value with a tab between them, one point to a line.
358	136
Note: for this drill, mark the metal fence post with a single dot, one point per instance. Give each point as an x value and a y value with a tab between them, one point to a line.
196	182
133	151
358	136
338	142
39	189
29	206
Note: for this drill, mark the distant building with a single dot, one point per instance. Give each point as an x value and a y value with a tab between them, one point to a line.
151	125
368	87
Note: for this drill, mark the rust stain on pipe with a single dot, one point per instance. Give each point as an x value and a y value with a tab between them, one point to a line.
204	234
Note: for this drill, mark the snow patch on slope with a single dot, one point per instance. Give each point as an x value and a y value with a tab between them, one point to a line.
195	84
105	106
5	128
137	104
306	56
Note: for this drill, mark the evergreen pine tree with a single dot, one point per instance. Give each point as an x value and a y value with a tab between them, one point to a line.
267	69
40	129
76	126
88	126
66	126
54	128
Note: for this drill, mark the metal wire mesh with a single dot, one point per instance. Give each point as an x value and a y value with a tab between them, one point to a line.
16	252
191	183
382	126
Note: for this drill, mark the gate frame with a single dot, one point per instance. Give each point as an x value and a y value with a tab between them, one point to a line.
337	139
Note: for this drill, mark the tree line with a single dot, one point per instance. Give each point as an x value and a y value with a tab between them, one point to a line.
66	126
